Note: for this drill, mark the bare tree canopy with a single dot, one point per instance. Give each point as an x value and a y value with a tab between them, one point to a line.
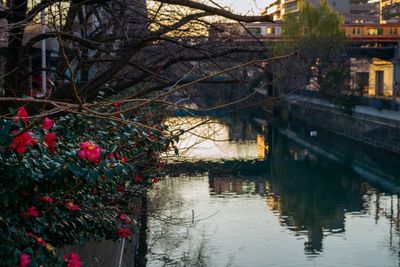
112	47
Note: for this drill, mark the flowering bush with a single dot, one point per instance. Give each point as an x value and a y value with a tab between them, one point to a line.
71	179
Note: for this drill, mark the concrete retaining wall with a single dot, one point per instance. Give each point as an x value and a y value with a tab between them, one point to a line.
379	129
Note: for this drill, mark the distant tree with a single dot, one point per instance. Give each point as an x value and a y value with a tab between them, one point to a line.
316	35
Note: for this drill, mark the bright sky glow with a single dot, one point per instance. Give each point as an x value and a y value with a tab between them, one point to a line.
250	7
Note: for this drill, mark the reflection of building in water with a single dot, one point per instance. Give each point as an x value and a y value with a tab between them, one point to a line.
236	185
310	196
273	202
262	146
301	154
241	130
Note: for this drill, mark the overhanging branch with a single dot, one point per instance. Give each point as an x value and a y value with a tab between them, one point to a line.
216	11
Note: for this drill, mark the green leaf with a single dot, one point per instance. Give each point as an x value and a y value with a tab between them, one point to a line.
109	173
4	199
28	250
92	176
75	169
114	149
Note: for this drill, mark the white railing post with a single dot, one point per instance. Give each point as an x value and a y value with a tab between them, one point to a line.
43	30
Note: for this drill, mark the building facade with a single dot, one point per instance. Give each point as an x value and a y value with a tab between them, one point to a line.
362	11
246	31
278	9
353	11
390	10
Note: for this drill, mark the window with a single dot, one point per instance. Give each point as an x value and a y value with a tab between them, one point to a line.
372	31
375	31
393	31
379	90
270	30
291	7
356	31
255	31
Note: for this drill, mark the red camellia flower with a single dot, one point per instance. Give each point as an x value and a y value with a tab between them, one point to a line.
33	212
117	156
21	142
153	138
37	239
22	114
89	151
71	206
124	218
160	165
110	156
46	199
52	149
120	188
50	141
117	104
73	260
24	260
124	232
156	180
47	123
41	241
137	178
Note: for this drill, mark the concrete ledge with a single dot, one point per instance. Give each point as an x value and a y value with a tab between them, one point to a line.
385	117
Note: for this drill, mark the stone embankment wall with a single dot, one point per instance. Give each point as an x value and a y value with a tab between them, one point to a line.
104	253
379	129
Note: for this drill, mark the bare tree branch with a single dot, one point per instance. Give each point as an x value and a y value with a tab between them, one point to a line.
216	11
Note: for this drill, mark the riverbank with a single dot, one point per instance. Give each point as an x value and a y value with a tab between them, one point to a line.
377	128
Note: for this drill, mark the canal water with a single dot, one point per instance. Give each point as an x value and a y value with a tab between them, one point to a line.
248	195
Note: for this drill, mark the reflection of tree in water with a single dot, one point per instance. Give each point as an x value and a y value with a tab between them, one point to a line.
173	239
309	194
388	207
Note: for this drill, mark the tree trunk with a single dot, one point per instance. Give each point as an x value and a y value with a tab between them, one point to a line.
14	51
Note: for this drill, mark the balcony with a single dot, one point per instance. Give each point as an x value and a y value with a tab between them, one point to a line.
362	7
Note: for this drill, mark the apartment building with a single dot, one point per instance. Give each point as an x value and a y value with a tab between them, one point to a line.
363	11
390	10
353	11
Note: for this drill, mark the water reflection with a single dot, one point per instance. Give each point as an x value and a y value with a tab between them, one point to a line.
211	139
233	185
288	202
312	195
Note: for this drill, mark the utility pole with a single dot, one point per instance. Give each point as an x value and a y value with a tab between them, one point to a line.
43	30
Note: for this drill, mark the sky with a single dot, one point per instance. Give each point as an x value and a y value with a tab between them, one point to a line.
251	7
